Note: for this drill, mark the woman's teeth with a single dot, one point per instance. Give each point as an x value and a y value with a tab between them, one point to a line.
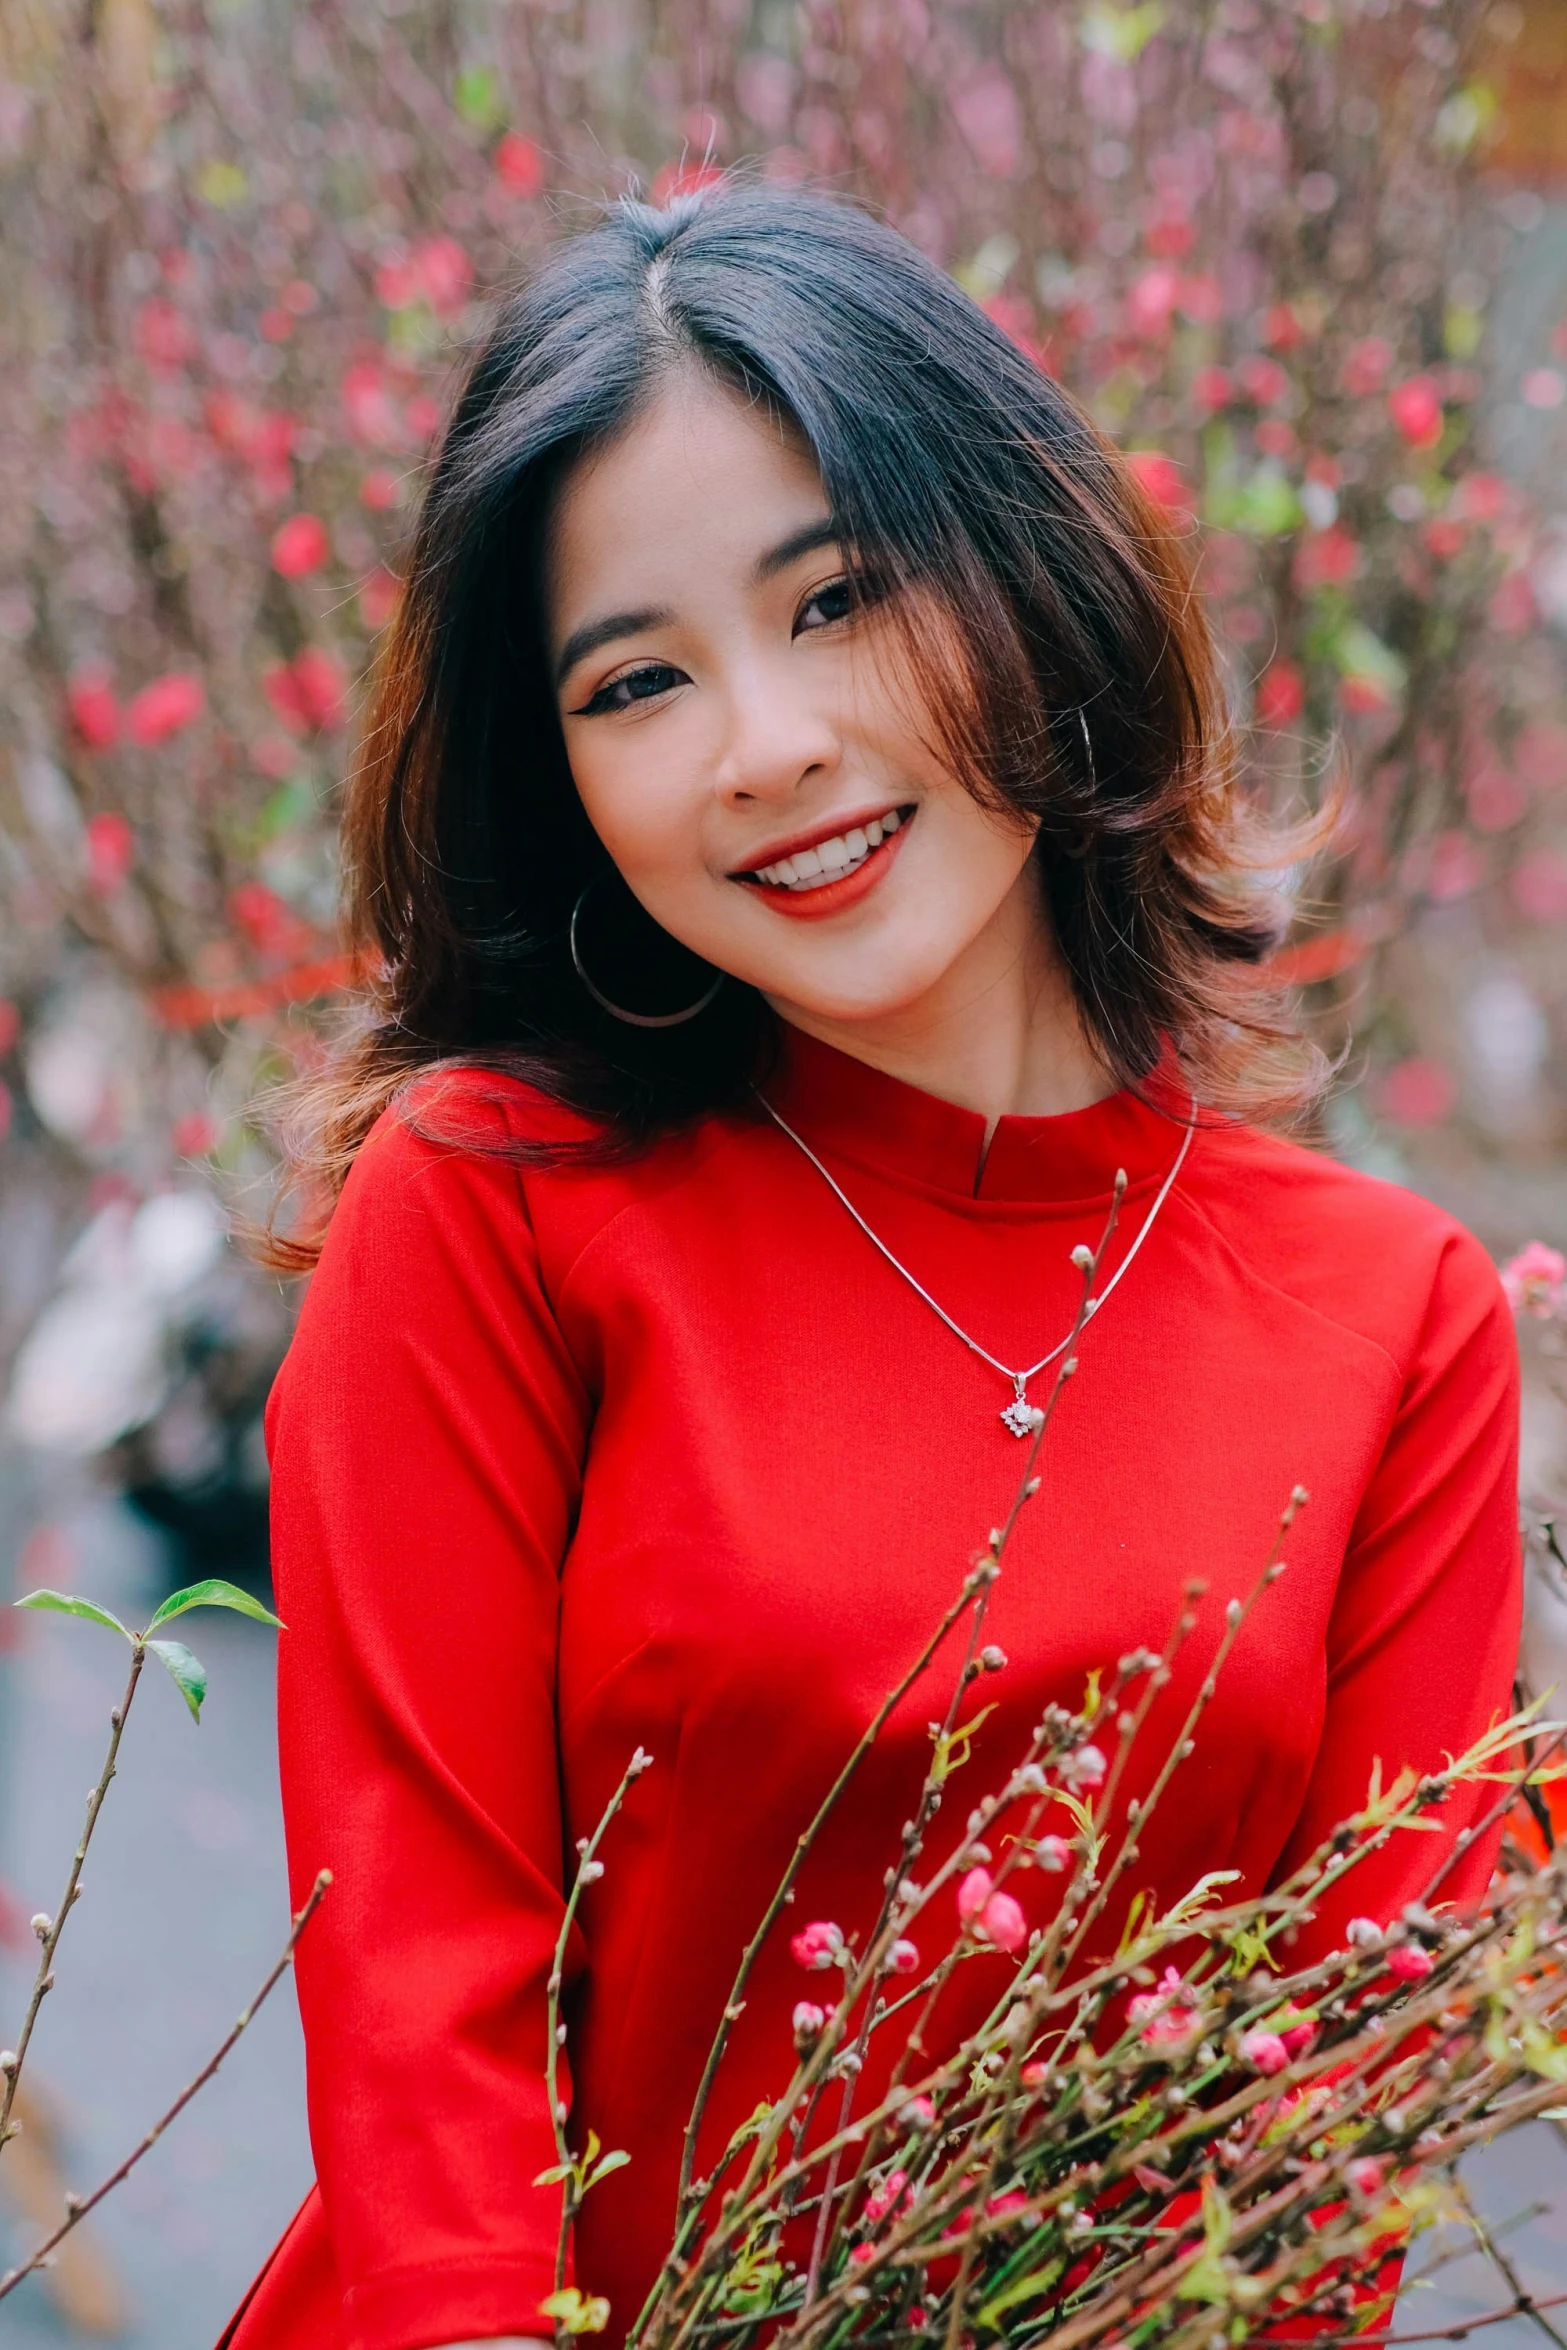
831	859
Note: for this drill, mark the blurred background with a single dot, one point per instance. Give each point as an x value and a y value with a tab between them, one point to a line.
1305	259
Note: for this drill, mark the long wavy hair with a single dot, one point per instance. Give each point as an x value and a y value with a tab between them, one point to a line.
1084	695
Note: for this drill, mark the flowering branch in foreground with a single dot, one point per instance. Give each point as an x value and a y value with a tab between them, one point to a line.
1174	2145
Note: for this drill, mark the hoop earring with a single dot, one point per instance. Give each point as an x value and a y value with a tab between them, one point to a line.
618	1011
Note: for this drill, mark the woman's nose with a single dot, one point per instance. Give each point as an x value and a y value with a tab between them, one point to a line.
777	737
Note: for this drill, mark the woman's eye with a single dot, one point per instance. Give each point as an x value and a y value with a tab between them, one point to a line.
635	685
830	604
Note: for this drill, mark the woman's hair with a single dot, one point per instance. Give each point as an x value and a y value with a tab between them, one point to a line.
967	484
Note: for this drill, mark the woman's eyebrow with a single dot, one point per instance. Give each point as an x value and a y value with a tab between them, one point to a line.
594	633
825	533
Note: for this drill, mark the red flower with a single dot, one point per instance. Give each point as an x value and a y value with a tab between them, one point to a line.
1281	694
1416	409
308	693
300	545
1367	366
445	274
1213	387
273	928
95	713
111	851
1262	380
518	165
1326	558
166	706
1161	477
1408	1962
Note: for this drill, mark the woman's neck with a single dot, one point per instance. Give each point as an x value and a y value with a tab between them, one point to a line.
999	1033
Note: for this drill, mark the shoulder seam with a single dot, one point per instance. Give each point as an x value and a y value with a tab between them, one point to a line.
1276	1289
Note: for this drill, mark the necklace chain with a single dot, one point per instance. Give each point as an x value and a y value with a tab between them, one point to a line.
1016	1415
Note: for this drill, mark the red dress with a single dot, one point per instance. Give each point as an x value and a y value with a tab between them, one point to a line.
572	1460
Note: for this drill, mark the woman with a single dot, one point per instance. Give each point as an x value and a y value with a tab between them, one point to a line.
798	842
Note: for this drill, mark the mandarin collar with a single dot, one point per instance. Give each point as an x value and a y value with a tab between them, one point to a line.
846	1109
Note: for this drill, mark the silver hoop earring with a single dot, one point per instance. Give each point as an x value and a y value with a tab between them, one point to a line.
618	1011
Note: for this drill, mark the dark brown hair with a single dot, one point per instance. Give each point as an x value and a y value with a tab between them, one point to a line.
1084	694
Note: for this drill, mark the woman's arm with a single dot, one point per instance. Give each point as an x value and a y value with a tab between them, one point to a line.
1423	1641
427	1433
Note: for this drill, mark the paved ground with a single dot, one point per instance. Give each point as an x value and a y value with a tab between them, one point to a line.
184	1911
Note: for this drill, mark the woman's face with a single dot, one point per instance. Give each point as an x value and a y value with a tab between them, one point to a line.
748	751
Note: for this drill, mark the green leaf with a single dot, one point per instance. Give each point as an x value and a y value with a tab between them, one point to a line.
1121	33
59	1603
616	2161
476	94
213	1593
553	2176
574	2314
187	1672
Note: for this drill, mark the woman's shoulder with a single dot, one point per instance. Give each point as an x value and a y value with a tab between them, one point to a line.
1371	1253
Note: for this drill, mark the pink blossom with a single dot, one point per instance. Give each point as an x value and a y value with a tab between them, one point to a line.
1536	1280
1364	2174
861	2253
1035	2076
95	713
1281	694
308	692
300	545
903	1958
973	1893
1327	558
1053	1853
1298	2039
1416	409
1417	1092
1161	477
1004	1922
194	1135
166	706
1367	366
164	335
1262	380
1003	2206
918	2114
817	1945
886	2197
272	927
517	164
1164	2017
1408	1962
1149	302
1539	885
1265	2052
1213	387
1087	1767
445	273
111	851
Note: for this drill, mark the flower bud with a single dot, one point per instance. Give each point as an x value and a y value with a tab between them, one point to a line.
973	1893
1087	1767
1004	1922
1264	2051
809	2021
40	1925
992	1659
918	2114
1363	1932
1053	1853
904	1958
817	1945
1408	1963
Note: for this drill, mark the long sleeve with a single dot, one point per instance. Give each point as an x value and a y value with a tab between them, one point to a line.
1423	1639
427	1434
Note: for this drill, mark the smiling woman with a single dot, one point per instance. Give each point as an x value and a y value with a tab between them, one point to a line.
797	845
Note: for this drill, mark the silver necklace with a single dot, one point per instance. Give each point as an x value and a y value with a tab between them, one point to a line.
1018	1415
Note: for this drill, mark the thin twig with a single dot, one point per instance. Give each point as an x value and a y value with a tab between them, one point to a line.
43	1981
78	2206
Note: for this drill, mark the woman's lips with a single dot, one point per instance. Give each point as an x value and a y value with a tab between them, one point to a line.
832	897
